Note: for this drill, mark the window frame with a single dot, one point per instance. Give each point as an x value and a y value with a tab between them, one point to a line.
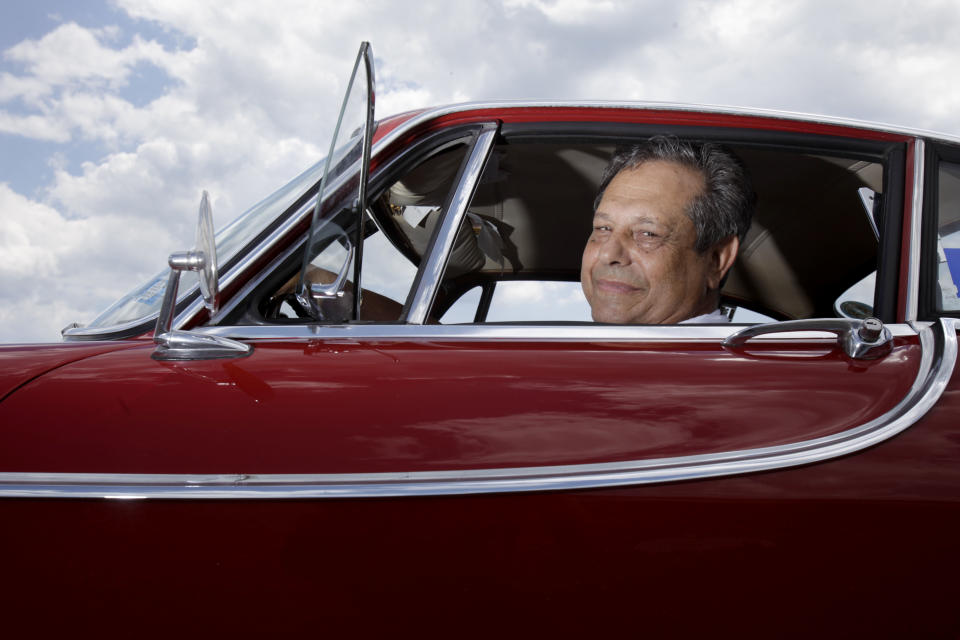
243	308
891	155
935	153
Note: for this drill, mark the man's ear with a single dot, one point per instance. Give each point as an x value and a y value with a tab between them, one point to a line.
722	255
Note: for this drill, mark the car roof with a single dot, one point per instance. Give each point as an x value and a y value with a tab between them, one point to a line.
404	121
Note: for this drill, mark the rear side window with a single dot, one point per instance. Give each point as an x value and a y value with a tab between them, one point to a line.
948	237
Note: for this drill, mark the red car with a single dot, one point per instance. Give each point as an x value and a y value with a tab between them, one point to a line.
386	406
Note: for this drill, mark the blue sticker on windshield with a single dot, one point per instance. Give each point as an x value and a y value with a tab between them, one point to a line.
153	292
953	262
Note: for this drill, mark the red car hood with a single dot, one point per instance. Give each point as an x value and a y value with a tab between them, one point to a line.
21	363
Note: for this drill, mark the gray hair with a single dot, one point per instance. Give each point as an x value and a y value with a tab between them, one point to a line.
724	209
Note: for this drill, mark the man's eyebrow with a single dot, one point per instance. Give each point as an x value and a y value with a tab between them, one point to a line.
642	218
634	219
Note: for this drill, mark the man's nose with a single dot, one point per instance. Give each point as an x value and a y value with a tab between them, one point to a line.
614	250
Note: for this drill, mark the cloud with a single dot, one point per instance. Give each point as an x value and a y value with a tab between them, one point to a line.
247	98
33	126
57	269
71	54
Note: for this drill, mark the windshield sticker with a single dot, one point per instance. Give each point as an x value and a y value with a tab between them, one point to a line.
152	293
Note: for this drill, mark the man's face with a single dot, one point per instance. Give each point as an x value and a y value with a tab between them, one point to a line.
640	265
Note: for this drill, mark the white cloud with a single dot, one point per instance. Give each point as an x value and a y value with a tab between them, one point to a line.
73	54
27	88
250	98
571	11
57	269
33	126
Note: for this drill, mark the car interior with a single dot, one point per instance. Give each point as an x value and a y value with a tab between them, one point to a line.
811	239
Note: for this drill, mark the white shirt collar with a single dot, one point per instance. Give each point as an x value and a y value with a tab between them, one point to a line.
715	317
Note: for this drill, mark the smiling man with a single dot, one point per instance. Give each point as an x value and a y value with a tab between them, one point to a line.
668	222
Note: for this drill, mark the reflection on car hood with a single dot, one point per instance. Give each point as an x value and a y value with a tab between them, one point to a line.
19	364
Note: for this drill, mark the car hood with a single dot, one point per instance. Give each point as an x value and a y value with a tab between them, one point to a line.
21	363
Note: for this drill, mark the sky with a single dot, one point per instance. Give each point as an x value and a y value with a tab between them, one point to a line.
116	114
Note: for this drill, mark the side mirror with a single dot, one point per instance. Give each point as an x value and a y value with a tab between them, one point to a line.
174	344
207	253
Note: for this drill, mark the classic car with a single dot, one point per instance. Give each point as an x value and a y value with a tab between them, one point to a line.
377	401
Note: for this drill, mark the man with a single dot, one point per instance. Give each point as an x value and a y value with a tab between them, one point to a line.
668	222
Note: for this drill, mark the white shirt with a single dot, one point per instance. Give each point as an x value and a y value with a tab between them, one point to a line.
715	317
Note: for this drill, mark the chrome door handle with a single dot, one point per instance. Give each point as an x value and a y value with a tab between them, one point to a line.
864	339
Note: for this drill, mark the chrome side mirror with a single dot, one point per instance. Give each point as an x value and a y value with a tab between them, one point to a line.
174	344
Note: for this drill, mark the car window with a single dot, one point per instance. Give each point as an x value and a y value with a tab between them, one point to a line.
464	309
948	237
526	300
531	301
811	245
522	301
397	227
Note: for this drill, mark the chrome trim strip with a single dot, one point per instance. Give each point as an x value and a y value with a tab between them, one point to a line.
116	331
437	259
939	354
916	223
369	127
455	332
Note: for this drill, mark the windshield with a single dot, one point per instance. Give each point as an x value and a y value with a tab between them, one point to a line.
145	299
349	148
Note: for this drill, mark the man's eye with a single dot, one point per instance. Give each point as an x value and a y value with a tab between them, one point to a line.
648	234
601	227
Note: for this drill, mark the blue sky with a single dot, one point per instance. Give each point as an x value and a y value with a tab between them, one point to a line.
25	162
116	114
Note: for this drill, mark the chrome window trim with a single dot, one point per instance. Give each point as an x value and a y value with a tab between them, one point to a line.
432	272
939	352
916	224
117	331
586	332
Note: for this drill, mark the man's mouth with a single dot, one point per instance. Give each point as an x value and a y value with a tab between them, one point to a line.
615	287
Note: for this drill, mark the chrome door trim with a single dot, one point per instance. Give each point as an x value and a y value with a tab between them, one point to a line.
437	254
916	222
585	332
939	353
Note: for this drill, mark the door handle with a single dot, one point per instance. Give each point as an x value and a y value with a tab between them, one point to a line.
865	339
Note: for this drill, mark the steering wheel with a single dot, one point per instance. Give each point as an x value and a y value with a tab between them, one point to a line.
272	310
